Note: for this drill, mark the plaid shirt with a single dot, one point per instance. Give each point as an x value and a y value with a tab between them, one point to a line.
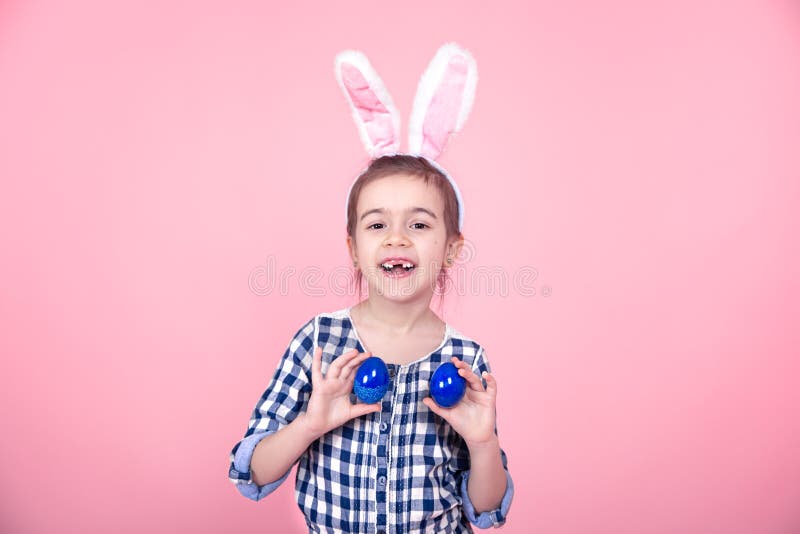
403	469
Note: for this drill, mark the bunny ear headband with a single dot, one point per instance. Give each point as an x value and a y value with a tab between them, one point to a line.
441	106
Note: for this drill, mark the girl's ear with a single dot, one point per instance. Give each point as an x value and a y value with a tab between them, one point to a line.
443	102
454	249
376	117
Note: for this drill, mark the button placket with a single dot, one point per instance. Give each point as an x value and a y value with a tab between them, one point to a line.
381	490
397	492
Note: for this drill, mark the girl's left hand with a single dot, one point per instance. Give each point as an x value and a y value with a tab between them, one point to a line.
474	415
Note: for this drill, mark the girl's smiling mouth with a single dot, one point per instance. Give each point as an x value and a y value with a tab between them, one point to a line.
397	267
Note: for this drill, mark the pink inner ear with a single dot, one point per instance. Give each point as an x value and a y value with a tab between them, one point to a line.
440	120
376	118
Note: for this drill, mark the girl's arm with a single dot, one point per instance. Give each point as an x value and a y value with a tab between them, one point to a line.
276	454
487	488
329	407
487	478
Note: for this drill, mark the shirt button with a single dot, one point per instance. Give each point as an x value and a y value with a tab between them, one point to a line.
384	426
381	480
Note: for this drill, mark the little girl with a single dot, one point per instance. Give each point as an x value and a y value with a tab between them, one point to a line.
403	464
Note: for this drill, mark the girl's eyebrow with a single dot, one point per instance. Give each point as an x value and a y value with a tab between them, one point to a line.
409	210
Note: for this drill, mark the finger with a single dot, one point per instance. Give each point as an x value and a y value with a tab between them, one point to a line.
491	384
353	364
344	359
473	381
316	364
461	364
341	361
357	410
466	372
435	408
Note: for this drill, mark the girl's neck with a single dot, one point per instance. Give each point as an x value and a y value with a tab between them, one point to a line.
395	318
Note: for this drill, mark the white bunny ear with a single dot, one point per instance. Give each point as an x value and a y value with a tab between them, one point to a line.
373	110
444	99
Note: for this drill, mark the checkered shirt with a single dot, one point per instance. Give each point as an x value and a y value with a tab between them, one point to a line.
401	470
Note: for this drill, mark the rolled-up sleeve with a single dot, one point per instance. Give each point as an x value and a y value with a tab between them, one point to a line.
491	518
497	517
284	399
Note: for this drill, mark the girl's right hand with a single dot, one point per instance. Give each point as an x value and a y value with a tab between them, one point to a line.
329	406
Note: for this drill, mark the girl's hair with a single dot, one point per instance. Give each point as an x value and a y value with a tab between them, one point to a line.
412	166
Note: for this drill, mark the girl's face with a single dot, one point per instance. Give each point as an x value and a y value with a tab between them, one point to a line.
400	237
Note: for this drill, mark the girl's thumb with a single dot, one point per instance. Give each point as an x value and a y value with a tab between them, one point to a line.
364	409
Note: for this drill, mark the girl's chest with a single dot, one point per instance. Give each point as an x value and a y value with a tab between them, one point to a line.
399	350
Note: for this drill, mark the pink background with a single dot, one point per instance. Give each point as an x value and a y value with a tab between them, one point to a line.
642	159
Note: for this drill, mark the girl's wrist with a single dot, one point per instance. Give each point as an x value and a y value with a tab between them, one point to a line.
489	446
311	433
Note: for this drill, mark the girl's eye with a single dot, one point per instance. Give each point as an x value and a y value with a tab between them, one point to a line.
416	226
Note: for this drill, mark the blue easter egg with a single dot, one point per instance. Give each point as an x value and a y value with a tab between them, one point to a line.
372	380
447	386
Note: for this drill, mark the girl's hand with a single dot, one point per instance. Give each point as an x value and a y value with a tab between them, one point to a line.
474	416
329	406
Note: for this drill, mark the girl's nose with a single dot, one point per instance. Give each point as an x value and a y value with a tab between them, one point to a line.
397	237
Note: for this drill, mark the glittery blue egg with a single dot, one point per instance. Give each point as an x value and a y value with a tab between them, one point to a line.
447	386
372	380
